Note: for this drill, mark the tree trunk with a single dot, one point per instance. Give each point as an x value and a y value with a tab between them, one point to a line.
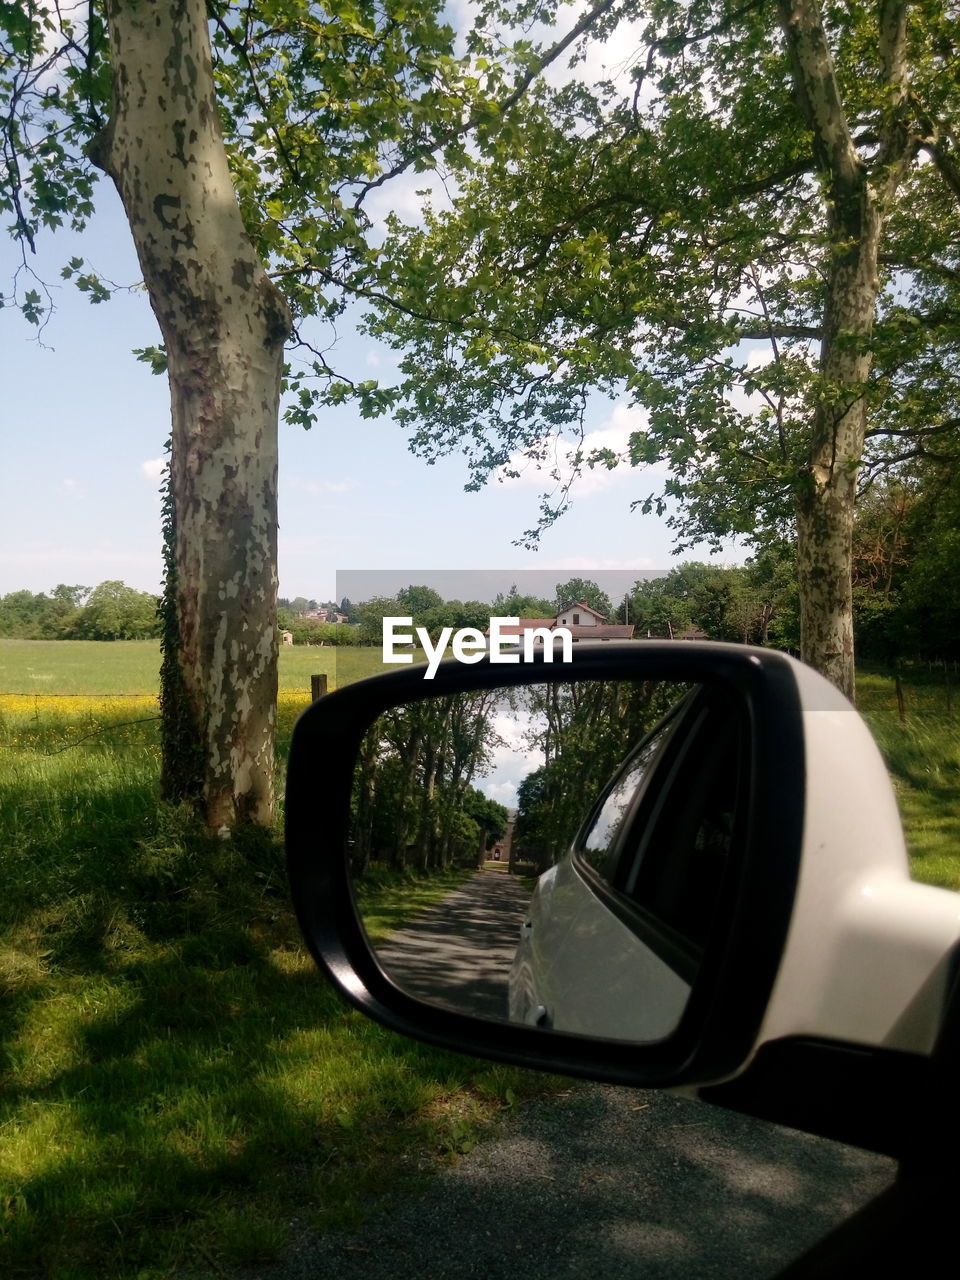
857	195
224	325
827	496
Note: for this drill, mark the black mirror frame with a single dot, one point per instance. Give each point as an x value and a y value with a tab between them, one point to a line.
717	1033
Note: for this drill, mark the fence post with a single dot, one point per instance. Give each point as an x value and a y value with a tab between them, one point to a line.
901	704
318	687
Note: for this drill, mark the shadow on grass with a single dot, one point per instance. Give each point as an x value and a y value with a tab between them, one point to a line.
178	1083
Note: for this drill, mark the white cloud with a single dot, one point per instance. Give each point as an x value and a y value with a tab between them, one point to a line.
757	357
153	468
512	760
504	793
596	563
613	435
511	727
612	59
406	196
322	487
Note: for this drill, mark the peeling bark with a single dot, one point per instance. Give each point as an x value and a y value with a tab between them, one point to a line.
826	499
224	325
857	196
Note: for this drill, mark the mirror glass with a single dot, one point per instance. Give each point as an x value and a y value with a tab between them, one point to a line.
551	854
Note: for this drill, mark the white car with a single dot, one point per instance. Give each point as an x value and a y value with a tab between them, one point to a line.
734	920
616	930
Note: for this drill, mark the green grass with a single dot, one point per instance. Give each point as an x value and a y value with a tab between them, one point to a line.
79	666
922	753
387	901
178	1083
133	666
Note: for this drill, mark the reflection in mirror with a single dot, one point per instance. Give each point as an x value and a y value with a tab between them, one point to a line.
549	854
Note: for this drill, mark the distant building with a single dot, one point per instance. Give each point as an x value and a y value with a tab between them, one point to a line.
326	615
502	851
579	619
580	615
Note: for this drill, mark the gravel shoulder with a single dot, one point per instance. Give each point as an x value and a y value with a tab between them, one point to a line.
611	1183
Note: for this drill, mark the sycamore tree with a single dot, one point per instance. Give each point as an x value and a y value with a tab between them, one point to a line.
241	140
232	134
751	234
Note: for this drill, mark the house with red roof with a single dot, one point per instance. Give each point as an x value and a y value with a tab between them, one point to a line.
579	619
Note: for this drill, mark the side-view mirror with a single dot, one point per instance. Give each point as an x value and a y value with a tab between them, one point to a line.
660	864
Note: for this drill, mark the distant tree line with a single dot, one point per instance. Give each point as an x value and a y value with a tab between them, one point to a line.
110	611
906	581
755	603
906	589
428	608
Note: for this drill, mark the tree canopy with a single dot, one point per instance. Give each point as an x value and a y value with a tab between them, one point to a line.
753	239
414	802
584	591
751	234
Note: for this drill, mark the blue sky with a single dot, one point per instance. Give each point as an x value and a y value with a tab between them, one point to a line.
84	426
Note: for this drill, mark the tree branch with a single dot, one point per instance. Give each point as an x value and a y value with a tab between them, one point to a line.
898	141
818	92
539	65
914	433
947	166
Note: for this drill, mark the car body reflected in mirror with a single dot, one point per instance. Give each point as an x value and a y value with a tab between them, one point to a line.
609	941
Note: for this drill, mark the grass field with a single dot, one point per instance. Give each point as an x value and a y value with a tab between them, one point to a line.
178	1084
133	666
922	751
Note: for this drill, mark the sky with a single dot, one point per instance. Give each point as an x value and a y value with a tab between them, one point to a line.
84	424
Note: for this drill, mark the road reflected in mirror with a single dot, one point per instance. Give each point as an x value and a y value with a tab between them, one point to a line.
550	854
458	953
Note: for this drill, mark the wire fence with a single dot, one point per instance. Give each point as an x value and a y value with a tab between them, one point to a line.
922	687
